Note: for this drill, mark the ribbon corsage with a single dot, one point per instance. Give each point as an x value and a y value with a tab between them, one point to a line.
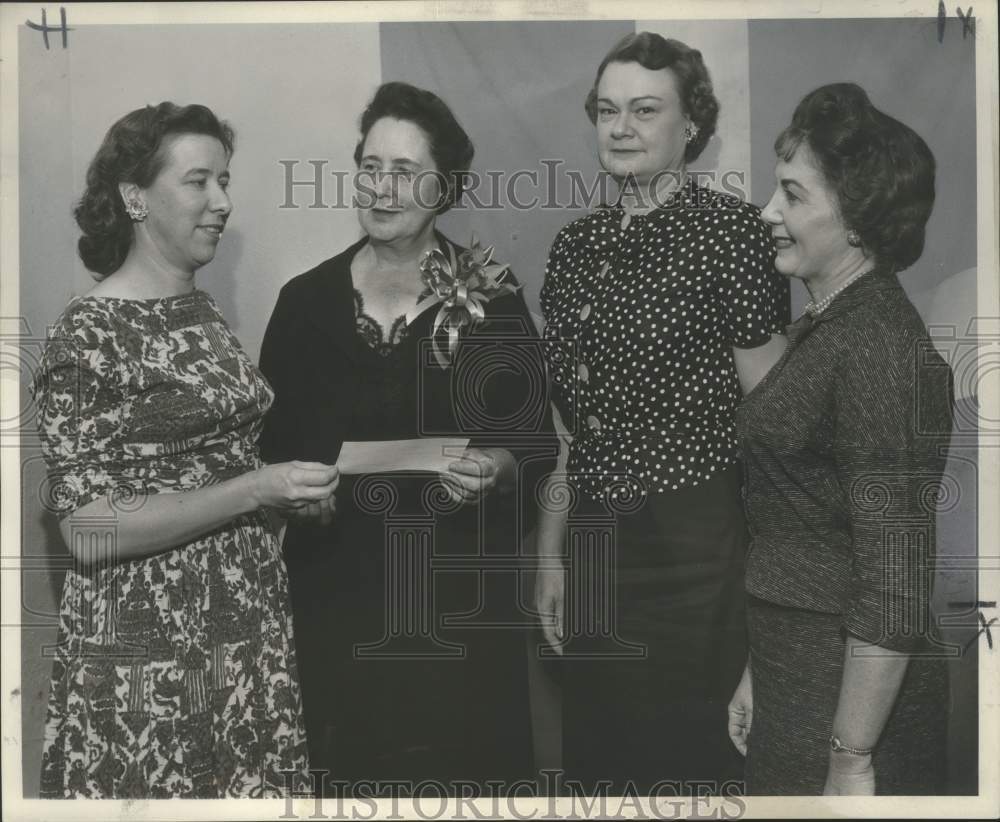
462	286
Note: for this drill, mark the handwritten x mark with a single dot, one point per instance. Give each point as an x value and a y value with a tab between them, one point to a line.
986	628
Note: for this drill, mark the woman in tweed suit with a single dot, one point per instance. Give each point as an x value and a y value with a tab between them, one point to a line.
844	444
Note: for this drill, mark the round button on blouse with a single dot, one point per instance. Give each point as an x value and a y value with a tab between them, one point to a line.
593	423
654	345
583	372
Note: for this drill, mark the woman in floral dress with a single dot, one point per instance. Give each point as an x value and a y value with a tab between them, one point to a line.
175	672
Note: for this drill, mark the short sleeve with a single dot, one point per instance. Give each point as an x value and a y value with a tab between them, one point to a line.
893	424
553	268
79	406
753	294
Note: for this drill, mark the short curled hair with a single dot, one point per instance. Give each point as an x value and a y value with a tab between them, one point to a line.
653	52
880	169
450	146
133	151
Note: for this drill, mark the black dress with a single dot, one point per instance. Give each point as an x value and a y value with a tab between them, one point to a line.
409	625
642	314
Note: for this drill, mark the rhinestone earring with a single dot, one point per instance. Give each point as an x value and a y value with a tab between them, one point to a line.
136	210
690	132
853	239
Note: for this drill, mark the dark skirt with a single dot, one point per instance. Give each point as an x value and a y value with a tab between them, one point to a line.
797	660
419	672
650	666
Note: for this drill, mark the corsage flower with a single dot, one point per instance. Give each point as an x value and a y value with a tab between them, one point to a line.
462	286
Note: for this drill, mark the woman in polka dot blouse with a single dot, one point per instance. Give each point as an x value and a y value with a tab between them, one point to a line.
660	311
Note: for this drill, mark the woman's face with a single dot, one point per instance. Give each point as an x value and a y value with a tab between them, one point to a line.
808	231
399	188
640	121
187	202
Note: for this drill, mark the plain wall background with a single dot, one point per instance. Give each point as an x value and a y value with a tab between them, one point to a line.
296	92
908	74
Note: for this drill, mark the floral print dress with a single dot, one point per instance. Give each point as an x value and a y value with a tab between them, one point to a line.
175	674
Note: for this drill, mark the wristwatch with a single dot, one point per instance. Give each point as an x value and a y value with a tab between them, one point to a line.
837	746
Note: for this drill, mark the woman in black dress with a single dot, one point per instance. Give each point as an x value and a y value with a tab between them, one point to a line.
845	443
665	305
435	686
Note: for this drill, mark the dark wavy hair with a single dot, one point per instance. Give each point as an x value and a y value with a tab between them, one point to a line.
653	52
133	151
450	146
881	170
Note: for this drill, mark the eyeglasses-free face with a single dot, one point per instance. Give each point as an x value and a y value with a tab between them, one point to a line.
640	122
188	203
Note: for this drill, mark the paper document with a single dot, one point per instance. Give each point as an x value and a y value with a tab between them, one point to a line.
425	454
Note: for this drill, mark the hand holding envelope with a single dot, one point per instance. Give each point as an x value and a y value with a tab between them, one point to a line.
474	475
467	473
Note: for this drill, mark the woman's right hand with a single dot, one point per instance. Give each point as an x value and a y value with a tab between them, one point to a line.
550	592
741	712
296	488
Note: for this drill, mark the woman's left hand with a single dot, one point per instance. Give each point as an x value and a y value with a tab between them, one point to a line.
321	512
477	473
850	775
741	711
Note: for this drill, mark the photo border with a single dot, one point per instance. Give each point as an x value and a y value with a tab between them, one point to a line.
13	15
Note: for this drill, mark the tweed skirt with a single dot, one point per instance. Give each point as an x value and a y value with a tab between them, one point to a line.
797	659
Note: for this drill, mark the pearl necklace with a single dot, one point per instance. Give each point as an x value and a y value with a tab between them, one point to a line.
816	308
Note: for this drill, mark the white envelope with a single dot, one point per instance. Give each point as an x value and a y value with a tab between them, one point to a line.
424	454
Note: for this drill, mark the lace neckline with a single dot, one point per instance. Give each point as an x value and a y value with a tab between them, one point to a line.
371	331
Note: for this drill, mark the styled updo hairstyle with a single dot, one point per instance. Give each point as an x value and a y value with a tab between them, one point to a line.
653	52
450	146
133	151
881	170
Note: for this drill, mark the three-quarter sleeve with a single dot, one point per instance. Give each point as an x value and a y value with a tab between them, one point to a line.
80	408
893	399
514	394
753	295
310	397
283	354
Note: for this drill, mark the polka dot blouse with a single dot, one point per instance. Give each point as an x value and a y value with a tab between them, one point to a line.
642	313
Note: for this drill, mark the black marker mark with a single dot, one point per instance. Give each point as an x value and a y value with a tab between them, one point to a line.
969	604
44	28
986	628
968	22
